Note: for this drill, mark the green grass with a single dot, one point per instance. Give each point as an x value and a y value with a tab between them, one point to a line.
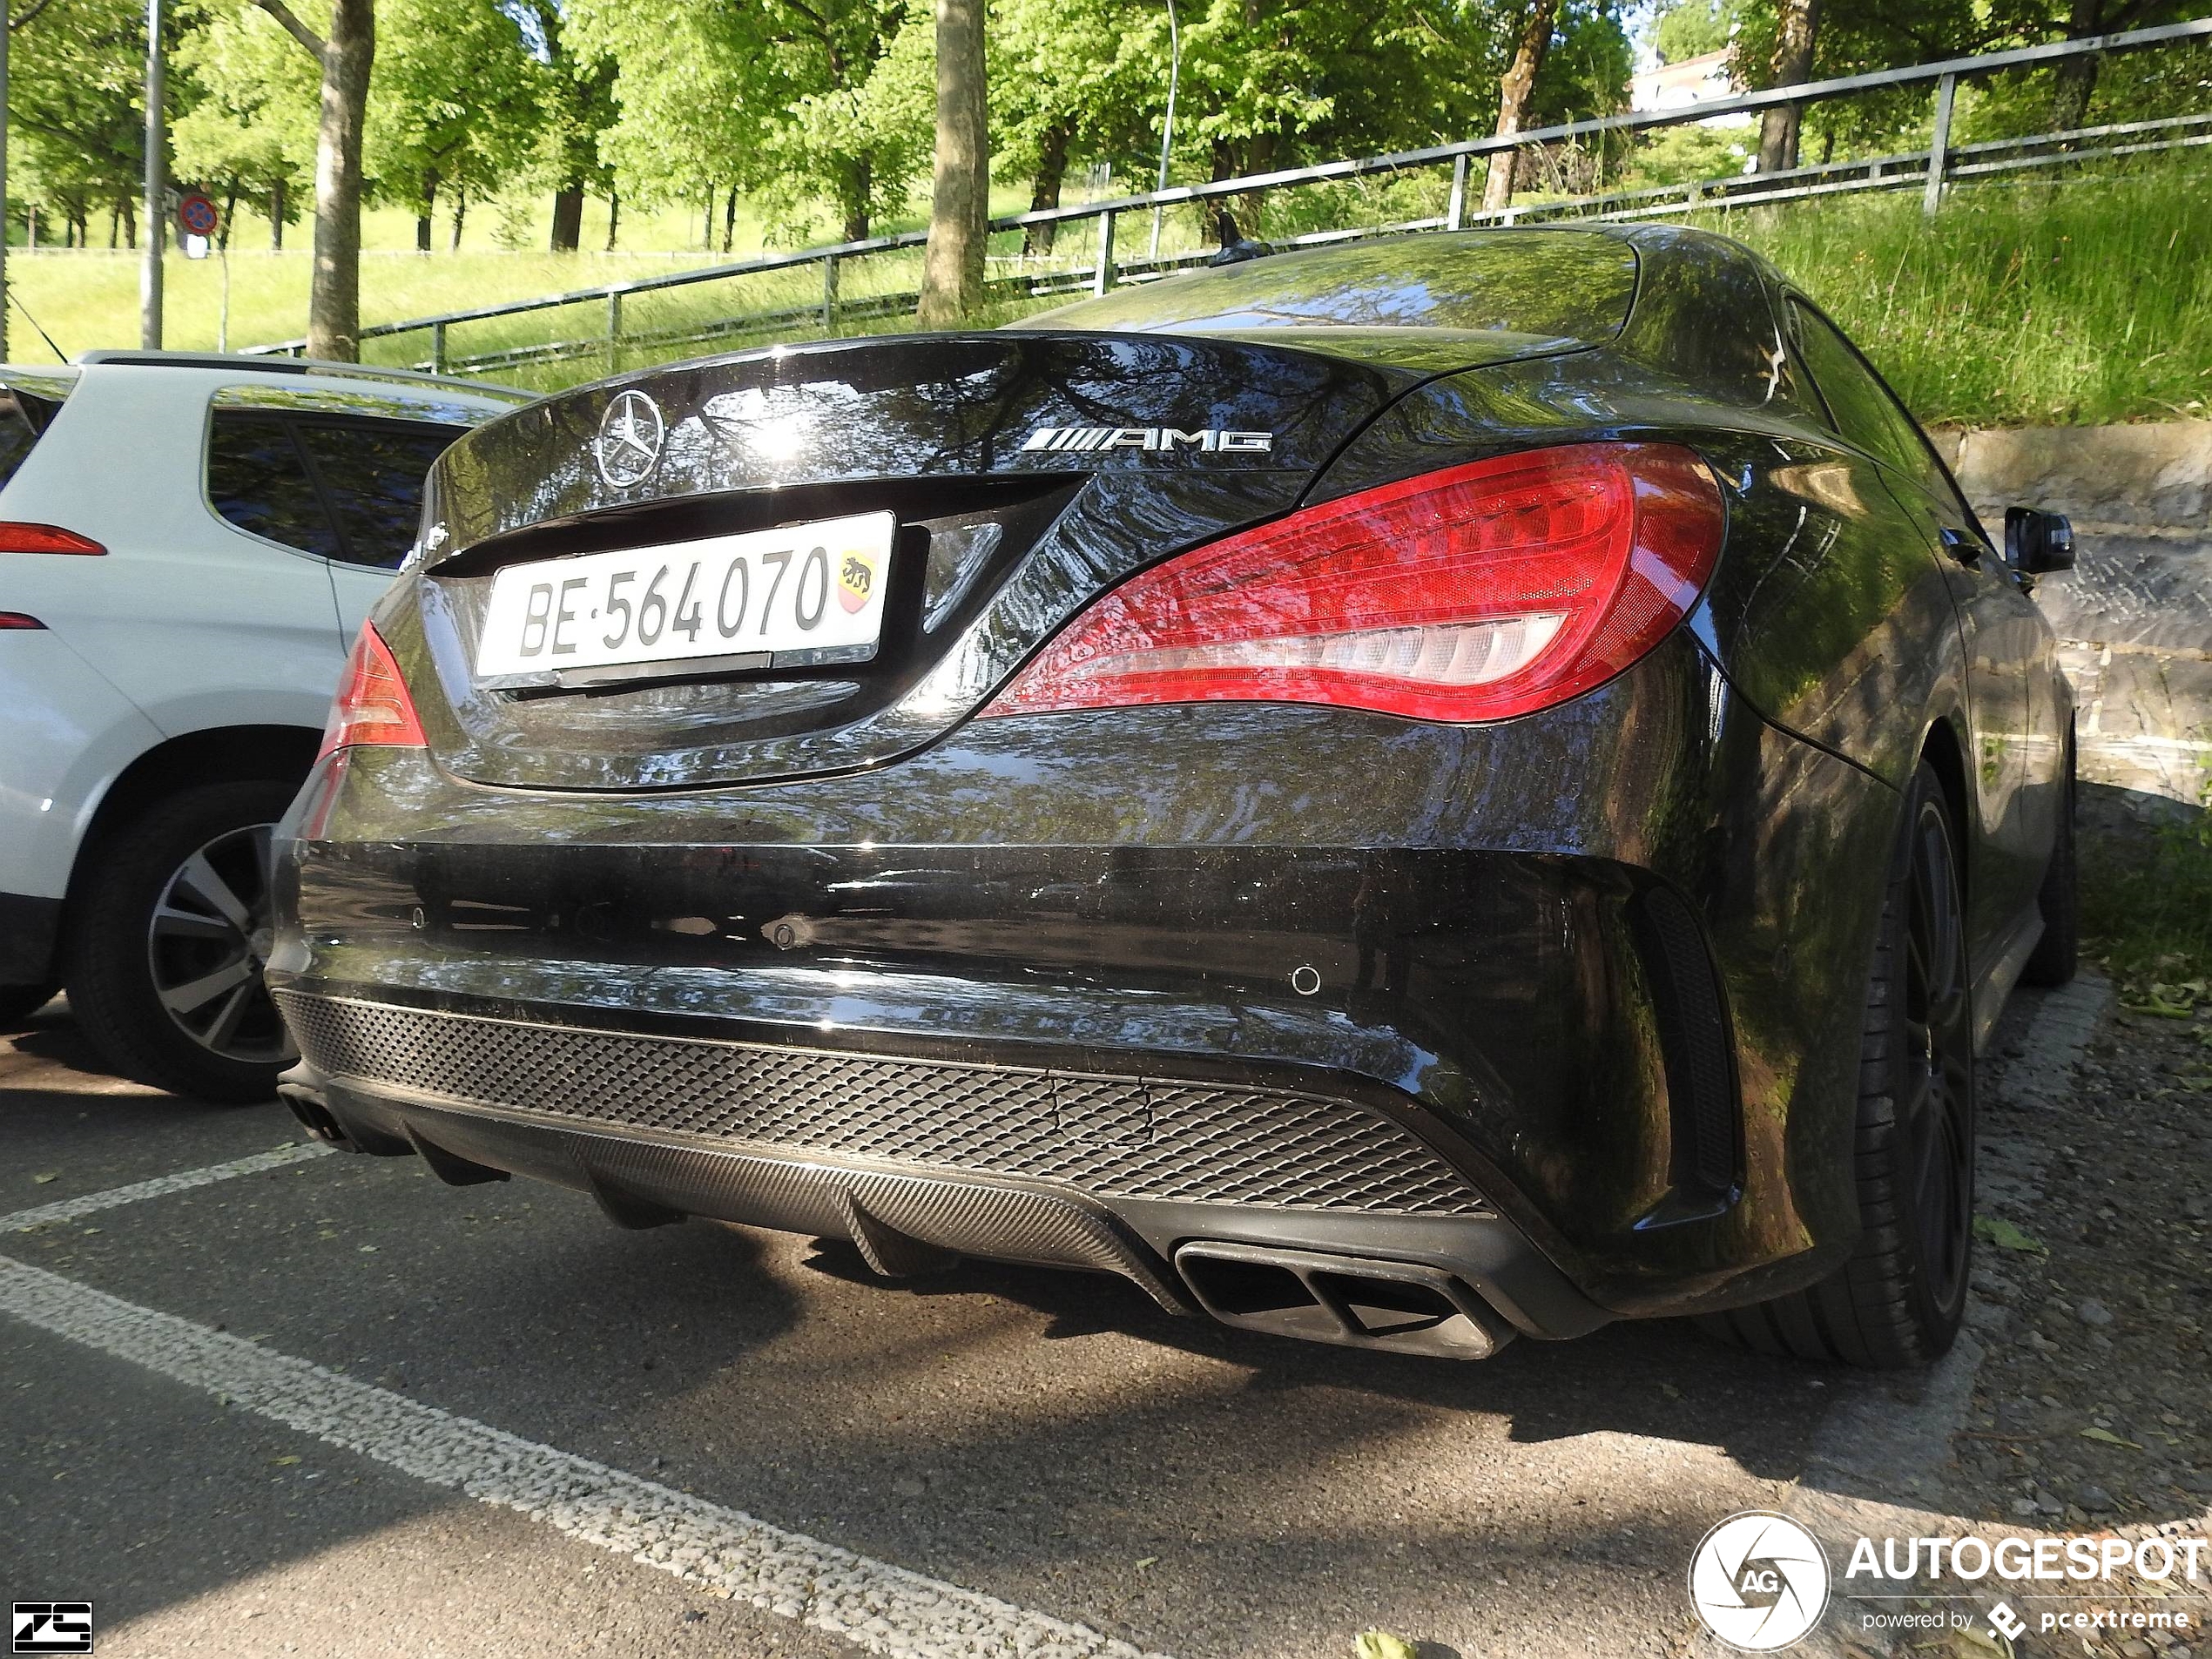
2147	909
2075	302
2048	302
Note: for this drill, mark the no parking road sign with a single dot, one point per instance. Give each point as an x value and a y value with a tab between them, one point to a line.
196	215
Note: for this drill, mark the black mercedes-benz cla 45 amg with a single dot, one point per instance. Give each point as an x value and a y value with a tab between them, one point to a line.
1399	793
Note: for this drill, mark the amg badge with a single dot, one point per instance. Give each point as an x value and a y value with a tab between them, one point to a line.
1210	439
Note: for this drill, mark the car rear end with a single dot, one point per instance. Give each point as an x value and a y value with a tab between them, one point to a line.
994	795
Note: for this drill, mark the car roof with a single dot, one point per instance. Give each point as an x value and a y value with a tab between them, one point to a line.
291	369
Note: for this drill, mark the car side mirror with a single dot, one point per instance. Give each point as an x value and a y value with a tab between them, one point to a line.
2037	543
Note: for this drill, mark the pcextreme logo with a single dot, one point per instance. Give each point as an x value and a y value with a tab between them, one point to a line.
1759	1581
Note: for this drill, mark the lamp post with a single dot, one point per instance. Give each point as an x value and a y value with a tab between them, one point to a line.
156	188
1167	129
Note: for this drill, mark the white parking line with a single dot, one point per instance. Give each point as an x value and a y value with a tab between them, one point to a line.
160	1186
881	1608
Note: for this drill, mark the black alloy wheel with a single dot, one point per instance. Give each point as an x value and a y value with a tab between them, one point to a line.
1936	1085
1899	1298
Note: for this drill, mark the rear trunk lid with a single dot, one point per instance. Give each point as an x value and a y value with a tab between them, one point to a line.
1024	472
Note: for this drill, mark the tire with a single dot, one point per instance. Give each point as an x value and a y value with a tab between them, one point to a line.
177	902
1898	1300
2059	951
19	1002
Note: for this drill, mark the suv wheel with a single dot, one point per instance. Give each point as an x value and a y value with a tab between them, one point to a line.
1899	1298
169	940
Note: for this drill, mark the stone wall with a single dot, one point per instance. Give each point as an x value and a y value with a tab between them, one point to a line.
2135	616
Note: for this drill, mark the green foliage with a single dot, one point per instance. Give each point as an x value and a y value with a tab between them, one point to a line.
75	82
1692	28
2147	905
2041	302
777	97
251	131
454	100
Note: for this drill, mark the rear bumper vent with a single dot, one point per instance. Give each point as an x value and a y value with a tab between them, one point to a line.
1694	1033
1113	1137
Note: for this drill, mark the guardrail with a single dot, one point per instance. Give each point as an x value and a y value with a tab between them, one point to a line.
1929	169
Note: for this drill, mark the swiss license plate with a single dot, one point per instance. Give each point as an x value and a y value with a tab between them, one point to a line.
810	593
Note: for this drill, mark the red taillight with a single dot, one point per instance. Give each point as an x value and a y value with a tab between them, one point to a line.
45	538
18	619
1476	593
373	706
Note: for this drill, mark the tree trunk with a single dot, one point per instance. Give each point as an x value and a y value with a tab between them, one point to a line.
2076	80
568	217
1044	193
614	218
423	210
706	225
856	203
952	267
1259	156
460	212
728	218
1793	45
129	223
347	55
1516	91
278	205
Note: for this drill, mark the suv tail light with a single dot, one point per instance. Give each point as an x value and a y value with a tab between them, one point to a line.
45	538
1476	593
373	706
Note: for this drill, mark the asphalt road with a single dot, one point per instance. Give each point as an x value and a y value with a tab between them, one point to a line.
1037	1447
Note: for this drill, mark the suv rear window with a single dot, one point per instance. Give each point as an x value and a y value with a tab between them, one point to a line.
344	490
1565	286
29	402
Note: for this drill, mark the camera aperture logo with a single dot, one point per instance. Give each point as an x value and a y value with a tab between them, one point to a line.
1759	1581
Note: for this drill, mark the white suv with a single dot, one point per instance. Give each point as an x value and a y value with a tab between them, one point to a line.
187	546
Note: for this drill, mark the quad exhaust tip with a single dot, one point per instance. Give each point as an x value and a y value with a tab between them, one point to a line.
1400	1307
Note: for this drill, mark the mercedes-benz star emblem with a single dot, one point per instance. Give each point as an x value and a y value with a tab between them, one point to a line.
630	434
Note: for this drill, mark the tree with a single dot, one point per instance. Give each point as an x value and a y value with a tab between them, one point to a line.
253	132
76	76
576	107
1797	32
782	97
346	57
1692	28
453	104
1515	90
952	267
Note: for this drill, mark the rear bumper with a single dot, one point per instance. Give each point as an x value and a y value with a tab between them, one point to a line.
1558	998
1055	1195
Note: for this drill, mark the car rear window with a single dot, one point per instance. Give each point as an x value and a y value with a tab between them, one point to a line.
1566	286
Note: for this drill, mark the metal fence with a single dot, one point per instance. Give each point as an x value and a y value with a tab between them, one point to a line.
845	286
